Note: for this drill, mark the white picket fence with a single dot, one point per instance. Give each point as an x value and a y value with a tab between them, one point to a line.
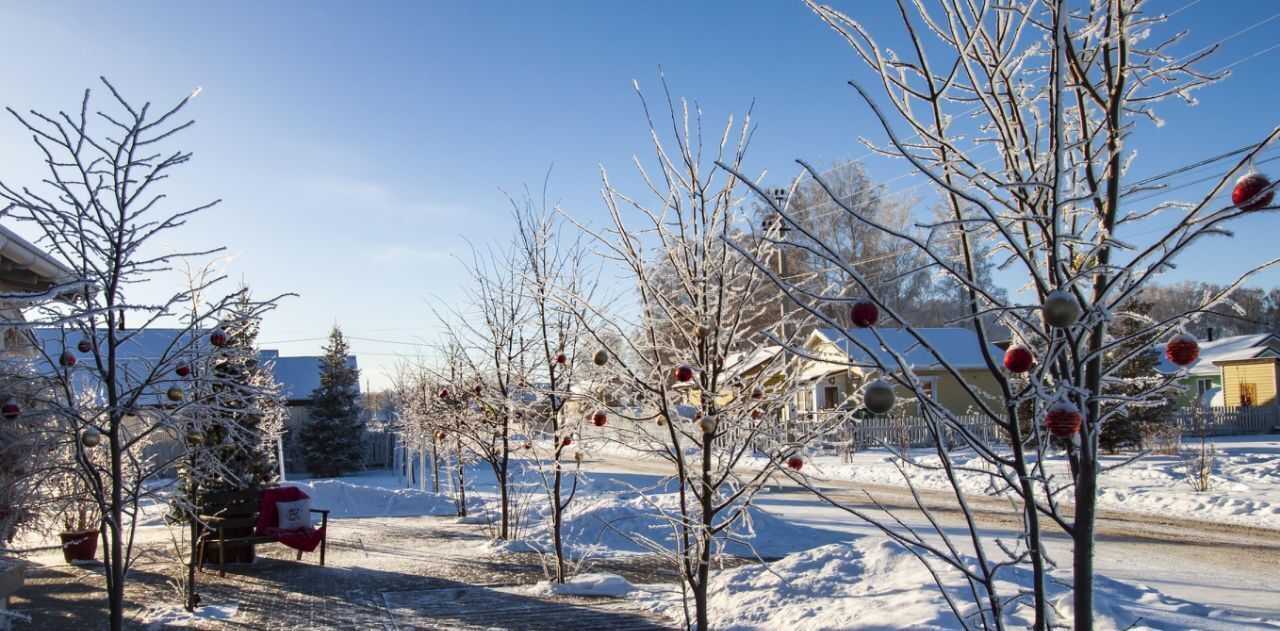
1228	421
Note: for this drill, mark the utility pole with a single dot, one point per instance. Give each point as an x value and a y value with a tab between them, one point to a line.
784	323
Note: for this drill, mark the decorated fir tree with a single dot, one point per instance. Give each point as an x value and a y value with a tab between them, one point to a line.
332	440
247	411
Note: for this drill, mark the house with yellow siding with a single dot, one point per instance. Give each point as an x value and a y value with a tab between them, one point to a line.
1236	371
840	362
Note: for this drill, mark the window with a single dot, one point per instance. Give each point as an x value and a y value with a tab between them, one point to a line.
830	396
1203	386
929	388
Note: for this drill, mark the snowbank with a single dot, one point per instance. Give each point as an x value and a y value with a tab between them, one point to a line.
874	583
595	584
349	498
609	525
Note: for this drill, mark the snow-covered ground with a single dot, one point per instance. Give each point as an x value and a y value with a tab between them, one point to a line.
835	572
1245	490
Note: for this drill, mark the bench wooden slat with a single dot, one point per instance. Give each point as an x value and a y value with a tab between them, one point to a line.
230	497
215	522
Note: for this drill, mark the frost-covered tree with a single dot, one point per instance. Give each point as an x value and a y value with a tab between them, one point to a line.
332	439
1020	115
678	353
100	207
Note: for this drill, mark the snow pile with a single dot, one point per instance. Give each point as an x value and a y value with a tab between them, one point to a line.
595	584
609	525
346	498
169	616
874	583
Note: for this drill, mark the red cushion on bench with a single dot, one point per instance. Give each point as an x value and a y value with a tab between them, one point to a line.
305	539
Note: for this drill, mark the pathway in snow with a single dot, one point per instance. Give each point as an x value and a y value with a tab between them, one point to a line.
382	573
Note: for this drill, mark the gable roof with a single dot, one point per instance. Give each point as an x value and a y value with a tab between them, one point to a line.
298	376
1231	348
142	351
956	346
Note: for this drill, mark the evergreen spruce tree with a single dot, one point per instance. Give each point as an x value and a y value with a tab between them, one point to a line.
1136	377
333	439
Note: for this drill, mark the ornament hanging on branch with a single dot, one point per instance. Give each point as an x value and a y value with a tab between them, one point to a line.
561	359
795	462
1252	191
1063	420
683	373
1182	350
67	359
600	358
1018	359
84	346
707	424
878	397
662	421
757	413
194	436
599	418
864	313
757	393
1060	309
91	437
11	409
702	330
175	393
566	442
444	393
183	370
218	337
476	389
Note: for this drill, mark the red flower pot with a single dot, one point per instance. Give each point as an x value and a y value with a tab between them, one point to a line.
79	546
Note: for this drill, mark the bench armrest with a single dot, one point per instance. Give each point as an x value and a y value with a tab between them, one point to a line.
320	510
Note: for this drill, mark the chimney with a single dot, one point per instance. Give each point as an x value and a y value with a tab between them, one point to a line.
1208	336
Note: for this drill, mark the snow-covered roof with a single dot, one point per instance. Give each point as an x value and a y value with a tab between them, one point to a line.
297	376
1231	348
18	253
739	363
956	346
144	349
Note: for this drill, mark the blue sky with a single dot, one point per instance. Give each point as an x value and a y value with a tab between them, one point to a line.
356	144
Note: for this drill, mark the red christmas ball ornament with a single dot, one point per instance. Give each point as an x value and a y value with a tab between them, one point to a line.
444	393
1249	194
566	442
218	337
864	313
684	372
84	346
561	359
183	370
1018	359
599	418
67	359
10	409
1063	420
476	390
757	413
1182	350
795	462
528	445
757	393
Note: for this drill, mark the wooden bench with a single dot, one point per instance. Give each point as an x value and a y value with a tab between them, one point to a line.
229	520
